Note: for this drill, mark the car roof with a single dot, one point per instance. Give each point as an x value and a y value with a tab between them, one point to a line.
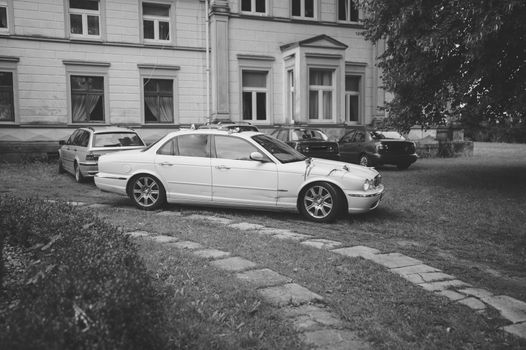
242	134
103	129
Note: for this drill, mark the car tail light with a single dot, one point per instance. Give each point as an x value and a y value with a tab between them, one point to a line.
381	147
92	156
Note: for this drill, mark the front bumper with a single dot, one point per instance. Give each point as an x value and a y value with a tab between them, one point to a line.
364	201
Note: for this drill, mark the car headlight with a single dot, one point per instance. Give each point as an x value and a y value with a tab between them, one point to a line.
367	185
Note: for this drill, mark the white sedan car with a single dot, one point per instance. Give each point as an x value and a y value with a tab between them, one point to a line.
238	169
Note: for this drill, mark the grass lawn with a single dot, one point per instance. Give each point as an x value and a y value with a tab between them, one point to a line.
465	216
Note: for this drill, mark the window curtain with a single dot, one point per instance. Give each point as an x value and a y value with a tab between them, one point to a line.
83	106
161	108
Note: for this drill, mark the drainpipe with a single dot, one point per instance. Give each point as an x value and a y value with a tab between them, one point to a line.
207	44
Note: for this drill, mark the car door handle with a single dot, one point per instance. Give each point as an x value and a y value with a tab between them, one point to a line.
166	164
222	167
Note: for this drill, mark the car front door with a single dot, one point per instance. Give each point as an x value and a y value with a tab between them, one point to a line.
184	165
239	180
348	148
67	152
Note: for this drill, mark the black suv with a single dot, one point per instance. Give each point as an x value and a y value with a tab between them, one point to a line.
308	141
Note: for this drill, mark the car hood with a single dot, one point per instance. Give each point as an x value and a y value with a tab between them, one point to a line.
325	167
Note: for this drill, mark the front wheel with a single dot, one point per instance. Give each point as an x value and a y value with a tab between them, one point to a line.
147	192
320	202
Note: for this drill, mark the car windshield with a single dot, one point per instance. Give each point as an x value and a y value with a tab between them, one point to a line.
308	134
283	152
116	139
378	135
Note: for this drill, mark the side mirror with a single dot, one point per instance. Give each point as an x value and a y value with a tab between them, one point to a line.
61	142
257	156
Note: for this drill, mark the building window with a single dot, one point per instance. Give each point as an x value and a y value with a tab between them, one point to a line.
348	11
84	18
304	8
156	22
352	98
87	99
321	94
291	93
254	6
4	24
7	101
158	100
255	95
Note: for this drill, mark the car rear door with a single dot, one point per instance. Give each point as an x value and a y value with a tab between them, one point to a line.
239	180
183	164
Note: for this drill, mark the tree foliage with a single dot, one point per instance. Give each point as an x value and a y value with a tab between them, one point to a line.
451	58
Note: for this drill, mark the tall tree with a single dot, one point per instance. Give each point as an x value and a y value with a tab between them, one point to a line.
461	58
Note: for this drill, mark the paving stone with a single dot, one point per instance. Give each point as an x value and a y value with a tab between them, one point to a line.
186	245
245	226
288	294
169	213
516	329
356	251
452	295
216	219
334	339
136	234
443	285
311	317
272	231
511	309
473	303
418	278
211	253
394	260
476	292
77	204
100	206
263	278
409	270
292	236
234	264
321	243
163	239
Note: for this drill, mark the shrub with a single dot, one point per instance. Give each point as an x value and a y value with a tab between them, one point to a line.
84	287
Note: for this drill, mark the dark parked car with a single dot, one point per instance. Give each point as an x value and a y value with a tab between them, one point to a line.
308	141
370	147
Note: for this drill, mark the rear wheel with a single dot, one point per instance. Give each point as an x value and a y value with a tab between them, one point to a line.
147	192
320	202
78	175
60	167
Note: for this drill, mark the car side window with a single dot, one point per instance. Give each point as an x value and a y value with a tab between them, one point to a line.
347	138
282	135
228	147
84	138
359	137
168	148
193	145
71	139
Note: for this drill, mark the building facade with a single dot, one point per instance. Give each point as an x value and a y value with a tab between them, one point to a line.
157	65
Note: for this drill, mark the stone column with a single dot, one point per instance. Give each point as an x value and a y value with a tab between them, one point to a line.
219	42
